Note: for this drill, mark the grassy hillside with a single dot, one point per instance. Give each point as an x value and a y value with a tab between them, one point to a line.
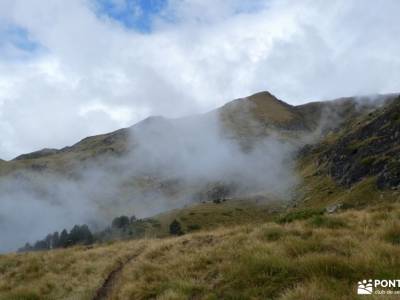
258	114
306	256
198	217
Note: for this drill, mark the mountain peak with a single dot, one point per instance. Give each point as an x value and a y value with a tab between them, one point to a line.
265	108
264	94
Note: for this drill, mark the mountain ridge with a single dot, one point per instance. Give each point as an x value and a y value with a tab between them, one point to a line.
277	112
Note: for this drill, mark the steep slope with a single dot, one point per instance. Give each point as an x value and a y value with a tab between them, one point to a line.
357	164
370	148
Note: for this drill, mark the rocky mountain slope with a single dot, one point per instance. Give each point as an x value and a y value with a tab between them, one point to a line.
368	147
356	164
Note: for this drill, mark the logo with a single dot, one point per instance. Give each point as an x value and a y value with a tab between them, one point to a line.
365	287
378	287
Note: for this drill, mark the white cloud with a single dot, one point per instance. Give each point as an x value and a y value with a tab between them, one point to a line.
93	75
120	114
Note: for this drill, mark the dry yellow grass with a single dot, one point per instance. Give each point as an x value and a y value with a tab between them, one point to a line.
73	273
300	260
320	257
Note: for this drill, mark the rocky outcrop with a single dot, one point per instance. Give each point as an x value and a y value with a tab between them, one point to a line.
369	148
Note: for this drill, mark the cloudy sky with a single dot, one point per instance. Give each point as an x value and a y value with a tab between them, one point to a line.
69	69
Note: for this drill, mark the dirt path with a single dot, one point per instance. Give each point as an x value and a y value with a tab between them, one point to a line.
108	287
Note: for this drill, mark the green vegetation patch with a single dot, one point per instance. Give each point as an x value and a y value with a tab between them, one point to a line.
192	227
363	143
302	214
22	295
327	222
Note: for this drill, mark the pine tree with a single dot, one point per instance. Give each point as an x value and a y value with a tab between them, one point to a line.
133	219
63	242
175	228
120	222
48	241
55	241
86	235
41	245
74	235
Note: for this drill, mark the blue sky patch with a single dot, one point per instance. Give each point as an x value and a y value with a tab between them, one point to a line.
133	14
18	37
248	7
15	42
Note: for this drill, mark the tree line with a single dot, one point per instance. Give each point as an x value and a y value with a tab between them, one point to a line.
79	235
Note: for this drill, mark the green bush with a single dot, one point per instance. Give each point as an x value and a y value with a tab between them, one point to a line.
175	228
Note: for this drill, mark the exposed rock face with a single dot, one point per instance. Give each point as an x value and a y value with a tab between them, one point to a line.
371	148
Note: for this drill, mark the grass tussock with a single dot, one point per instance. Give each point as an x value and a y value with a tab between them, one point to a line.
391	232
